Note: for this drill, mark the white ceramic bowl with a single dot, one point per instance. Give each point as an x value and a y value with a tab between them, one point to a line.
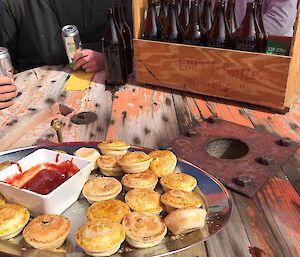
60	198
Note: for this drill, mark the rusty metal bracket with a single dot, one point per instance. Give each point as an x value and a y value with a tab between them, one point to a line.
242	158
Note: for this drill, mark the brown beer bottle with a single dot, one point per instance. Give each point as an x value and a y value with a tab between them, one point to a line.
163	13
195	33
152	29
259	16
113	46
173	30
184	14
127	35
219	35
230	15
206	15
249	36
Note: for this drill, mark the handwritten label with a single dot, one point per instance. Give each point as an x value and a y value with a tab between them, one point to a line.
195	64
222	70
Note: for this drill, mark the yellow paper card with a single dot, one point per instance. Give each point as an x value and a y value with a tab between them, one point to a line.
78	80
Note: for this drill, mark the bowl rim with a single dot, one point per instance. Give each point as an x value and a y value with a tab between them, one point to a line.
50	194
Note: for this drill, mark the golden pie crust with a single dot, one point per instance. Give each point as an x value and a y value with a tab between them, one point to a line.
185	220
146	179
175	199
178	180
4	165
90	154
2	199
100	237
101	188
163	163
135	162
143	200
13	218
47	231
109	166
144	229
113	147
114	210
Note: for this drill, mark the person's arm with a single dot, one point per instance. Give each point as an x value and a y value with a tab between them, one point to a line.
7	91
279	16
45	31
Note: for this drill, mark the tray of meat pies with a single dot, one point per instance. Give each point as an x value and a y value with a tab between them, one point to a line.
105	199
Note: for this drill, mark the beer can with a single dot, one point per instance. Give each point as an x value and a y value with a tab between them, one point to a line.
71	38
6	68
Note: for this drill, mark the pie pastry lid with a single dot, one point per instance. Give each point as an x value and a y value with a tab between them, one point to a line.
108	165
100	236
13	218
146	179
47	231
185	220
163	163
103	188
144	229
181	199
90	154
114	210
144	200
179	181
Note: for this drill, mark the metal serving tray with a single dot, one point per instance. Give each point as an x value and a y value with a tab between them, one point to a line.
218	205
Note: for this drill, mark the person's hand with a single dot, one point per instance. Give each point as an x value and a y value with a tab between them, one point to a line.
91	61
7	91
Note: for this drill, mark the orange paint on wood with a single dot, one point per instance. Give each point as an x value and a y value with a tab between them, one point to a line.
74	101
202	105
230	113
281	202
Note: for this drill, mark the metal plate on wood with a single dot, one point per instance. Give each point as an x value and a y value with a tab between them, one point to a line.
240	157
216	197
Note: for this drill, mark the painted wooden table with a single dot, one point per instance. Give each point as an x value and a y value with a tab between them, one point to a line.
267	224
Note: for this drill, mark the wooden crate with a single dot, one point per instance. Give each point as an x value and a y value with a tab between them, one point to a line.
255	78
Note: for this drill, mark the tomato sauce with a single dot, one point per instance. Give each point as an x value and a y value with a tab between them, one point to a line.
44	178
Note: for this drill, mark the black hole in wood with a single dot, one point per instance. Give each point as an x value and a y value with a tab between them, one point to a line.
227	148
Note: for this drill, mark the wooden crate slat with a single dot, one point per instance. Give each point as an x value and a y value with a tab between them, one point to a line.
249	77
255	78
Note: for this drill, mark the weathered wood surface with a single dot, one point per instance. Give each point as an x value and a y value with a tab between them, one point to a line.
237	75
268	223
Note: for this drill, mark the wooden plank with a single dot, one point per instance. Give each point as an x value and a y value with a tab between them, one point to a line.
293	84
258	229
232	240
96	99
278	201
280	205
229	74
143	116
196	251
188	111
24	122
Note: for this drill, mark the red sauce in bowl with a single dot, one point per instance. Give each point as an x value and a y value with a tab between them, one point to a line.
44	178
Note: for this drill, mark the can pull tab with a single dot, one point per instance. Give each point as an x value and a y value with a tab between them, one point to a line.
57	125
